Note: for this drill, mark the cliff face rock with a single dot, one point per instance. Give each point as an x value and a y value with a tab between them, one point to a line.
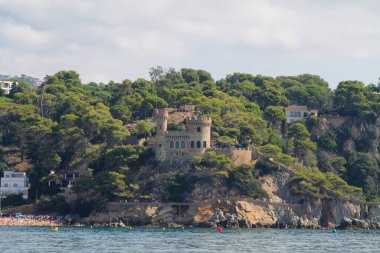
356	129
213	207
341	209
277	187
374	213
234	213
254	214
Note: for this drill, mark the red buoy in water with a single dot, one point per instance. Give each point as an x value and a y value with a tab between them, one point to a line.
220	229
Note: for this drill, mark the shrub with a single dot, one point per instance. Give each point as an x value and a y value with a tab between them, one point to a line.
327	143
212	159
13	200
83	207
243	179
266	166
54	204
322	185
178	187
197	159
223	173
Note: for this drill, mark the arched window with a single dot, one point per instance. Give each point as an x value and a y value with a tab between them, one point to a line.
192	144
183	144
198	144
204	144
177	144
171	144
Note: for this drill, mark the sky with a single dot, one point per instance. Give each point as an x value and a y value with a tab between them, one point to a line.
107	40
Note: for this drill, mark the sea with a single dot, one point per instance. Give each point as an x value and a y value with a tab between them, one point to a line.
87	239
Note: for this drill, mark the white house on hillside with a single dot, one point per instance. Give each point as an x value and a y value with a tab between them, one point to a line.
14	183
297	112
6	86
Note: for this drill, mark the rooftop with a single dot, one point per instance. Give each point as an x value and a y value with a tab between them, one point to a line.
296	108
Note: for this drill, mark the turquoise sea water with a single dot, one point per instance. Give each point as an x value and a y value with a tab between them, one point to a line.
73	239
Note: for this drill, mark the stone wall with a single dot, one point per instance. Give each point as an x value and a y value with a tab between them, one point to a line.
336	121
238	156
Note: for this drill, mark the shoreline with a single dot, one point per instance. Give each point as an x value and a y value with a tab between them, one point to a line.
9	222
28	222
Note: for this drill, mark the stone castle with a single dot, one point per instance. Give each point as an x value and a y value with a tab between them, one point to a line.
195	140
181	145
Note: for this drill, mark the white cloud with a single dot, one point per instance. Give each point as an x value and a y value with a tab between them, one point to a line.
119	39
22	34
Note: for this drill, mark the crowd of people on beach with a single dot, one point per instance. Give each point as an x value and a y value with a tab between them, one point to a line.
19	219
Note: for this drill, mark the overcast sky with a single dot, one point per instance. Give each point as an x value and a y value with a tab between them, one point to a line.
120	39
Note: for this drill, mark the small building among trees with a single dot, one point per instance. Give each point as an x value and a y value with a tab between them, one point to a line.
15	183
6	86
297	112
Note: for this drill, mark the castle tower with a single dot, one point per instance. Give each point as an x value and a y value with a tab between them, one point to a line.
200	134
161	118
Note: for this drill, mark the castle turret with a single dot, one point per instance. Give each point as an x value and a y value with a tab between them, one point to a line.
200	131
161	118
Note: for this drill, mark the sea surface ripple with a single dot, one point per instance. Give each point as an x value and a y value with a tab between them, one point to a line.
86	239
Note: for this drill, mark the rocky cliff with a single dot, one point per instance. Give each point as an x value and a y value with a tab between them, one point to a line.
281	209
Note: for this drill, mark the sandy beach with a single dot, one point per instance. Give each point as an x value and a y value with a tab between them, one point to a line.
26	222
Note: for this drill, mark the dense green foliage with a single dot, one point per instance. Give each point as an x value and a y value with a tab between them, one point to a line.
66	125
243	179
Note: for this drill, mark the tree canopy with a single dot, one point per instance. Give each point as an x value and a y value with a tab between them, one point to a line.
66	125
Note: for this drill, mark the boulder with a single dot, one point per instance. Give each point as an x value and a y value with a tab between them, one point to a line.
244	223
345	223
205	224
151	211
121	224
360	224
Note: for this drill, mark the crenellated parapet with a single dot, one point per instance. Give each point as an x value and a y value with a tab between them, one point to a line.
199	121
159	114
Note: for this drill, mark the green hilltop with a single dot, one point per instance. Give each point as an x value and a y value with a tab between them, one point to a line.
67	126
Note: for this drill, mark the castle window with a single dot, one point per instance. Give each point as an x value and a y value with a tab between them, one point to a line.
183	144
198	144
171	144
204	144
177	144
198	129
192	144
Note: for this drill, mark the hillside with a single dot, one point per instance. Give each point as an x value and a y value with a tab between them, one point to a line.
67	127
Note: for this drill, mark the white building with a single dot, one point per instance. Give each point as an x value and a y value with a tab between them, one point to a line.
297	112
6	86
14	183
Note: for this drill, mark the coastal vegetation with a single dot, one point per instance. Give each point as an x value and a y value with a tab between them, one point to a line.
66	125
